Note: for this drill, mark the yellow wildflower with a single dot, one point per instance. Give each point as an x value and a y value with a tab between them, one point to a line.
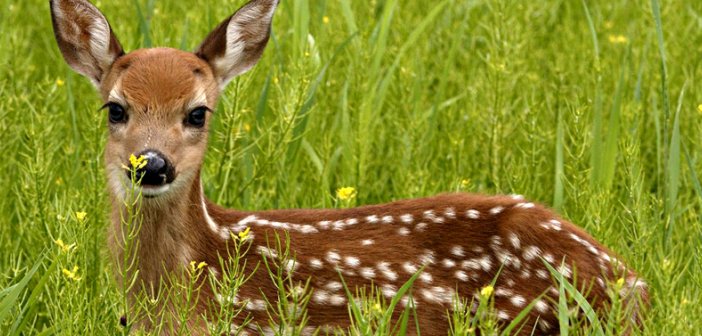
137	162
487	291
620	282
247	127
81	215
465	183
64	248
377	308
325	19
609	24
618	39
60	82
346	193
197	267
699	108
243	235
72	274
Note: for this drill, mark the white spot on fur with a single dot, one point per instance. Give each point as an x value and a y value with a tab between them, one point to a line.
457	251
388	290
601	282
265	251
430	215
542	274
426	278
548	257
541	306
352	261
496	240
372	219
565	270
518	301
421	227
527	205
367	272
408	301
496	210
514	240
387	219
409	267
337	300
427	257
306	228
473	214
448	263
461	275
290	265
403	231
256	305
531	252
320	296
503	292
485	263
367	242
333	257
388	273
450	213
338	225
333	286
406	218
316	263
473	264
324	224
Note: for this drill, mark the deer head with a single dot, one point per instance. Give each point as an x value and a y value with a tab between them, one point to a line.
159	101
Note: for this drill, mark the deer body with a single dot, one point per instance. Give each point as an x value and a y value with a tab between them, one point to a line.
160	102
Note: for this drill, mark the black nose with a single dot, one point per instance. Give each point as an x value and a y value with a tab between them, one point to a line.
157	171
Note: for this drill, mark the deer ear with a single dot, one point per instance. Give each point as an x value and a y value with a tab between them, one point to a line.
85	38
237	44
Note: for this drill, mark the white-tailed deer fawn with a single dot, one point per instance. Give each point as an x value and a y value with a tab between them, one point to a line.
160	103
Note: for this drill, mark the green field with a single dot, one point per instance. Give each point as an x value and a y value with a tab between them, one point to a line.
591	108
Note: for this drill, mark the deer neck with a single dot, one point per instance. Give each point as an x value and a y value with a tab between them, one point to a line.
172	232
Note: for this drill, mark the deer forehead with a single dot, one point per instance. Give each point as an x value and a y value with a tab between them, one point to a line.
161	80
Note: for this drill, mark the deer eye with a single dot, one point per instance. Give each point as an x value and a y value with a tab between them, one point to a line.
196	117
116	113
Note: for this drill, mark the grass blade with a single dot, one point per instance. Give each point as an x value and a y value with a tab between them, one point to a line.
306	107
583	304
673	169
10	295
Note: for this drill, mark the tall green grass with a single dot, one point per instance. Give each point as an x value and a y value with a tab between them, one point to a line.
590	107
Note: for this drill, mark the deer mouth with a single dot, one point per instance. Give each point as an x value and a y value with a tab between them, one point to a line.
152	191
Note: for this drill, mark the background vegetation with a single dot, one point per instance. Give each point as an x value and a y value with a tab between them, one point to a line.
589	107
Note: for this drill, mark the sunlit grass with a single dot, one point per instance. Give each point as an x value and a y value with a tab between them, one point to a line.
590	107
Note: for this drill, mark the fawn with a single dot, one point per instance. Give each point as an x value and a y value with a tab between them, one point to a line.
160	103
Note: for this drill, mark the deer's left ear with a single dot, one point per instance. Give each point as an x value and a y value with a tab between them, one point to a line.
85	38
237	44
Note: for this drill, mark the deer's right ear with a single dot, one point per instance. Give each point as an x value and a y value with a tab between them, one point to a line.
85	38
237	43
